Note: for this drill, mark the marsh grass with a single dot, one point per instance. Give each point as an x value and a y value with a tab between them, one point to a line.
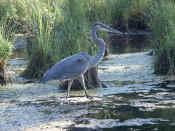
5	48
162	23
62	28
5	51
127	15
59	28
41	20
56	33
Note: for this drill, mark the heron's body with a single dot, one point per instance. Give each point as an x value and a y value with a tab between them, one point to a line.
67	68
76	65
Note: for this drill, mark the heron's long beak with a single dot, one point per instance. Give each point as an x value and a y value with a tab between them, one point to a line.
116	31
112	30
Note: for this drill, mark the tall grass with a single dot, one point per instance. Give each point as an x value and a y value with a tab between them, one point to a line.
41	20
6	10
5	48
162	23
7	13
59	28
5	51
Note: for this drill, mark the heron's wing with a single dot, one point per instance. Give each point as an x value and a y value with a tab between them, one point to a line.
69	68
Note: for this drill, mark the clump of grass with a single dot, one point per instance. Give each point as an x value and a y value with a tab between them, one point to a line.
57	32
5	48
7	29
5	51
7	10
162	23
40	19
12	18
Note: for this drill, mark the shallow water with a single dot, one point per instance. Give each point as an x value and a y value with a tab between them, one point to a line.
132	99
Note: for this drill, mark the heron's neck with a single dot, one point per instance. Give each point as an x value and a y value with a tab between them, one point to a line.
101	45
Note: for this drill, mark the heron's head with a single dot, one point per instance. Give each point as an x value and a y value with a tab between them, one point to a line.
106	28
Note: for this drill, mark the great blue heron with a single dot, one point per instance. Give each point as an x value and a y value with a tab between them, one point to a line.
76	65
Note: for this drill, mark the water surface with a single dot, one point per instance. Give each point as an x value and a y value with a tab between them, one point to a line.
132	98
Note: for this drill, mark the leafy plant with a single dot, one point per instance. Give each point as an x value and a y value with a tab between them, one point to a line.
5	48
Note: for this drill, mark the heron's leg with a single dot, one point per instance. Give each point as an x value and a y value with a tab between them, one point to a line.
83	84
69	86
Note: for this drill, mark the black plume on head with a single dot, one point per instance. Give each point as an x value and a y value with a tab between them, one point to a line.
99	24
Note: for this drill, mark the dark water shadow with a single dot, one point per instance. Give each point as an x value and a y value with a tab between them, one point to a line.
129	128
131	44
83	129
153	110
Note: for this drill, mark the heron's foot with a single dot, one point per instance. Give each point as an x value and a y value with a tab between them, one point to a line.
89	97
67	96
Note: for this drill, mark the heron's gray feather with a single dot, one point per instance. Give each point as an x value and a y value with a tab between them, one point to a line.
68	68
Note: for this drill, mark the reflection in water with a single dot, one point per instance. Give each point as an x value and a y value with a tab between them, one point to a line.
123	111
143	128
129	116
164	127
83	129
129	44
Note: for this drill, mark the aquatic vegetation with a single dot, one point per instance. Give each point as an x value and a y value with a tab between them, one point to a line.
57	29
54	34
5	48
162	22
5	51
